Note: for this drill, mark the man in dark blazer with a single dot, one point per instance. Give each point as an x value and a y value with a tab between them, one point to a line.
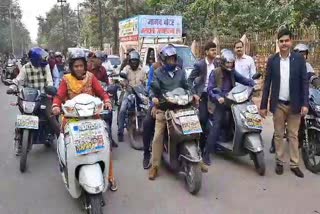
198	79
286	78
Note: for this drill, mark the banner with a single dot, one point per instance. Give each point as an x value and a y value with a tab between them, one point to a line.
160	26
128	29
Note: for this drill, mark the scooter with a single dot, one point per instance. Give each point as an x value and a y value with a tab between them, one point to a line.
138	105
10	71
246	126
181	142
84	151
32	126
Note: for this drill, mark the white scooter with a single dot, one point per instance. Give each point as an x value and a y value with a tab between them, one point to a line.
84	151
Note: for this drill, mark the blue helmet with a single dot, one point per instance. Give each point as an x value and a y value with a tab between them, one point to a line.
38	57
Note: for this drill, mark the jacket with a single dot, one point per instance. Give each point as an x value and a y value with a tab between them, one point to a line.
199	70
298	83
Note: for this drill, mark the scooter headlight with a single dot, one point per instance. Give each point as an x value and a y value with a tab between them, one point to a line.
28	107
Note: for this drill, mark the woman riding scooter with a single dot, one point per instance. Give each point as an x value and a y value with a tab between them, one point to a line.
78	82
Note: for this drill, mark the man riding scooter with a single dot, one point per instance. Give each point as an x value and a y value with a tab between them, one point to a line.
135	77
224	78
166	78
36	74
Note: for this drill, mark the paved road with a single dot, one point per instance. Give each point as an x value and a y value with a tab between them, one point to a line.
231	186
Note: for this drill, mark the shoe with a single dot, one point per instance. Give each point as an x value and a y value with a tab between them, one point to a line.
146	162
297	172
120	138
206	159
114	144
204	167
17	147
153	173
113	185
279	169
272	150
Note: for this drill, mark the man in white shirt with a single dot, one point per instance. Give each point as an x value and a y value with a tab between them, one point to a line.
244	64
199	79
286	78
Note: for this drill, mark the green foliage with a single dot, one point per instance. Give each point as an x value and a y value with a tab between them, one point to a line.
21	37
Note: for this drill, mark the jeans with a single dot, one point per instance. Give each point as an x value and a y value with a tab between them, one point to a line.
148	132
203	116
122	113
52	120
214	132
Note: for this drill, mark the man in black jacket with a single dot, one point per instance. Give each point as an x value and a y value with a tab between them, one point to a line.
199	78
286	77
166	78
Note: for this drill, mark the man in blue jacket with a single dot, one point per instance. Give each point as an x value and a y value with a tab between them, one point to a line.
224	78
286	78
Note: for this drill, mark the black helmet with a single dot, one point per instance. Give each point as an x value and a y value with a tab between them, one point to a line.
227	56
74	55
134	60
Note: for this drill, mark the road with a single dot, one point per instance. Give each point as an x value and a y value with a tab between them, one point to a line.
231	186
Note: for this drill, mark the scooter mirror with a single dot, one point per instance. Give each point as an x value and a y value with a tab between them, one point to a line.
124	76
256	76
50	90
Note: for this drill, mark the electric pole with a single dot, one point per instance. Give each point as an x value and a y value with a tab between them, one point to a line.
63	27
100	25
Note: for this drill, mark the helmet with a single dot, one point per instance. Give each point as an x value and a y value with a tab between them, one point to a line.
129	50
58	54
38	57
301	48
167	51
100	55
74	55
227	56
134	60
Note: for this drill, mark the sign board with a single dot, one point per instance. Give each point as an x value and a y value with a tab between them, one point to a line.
128	29
150	26
160	26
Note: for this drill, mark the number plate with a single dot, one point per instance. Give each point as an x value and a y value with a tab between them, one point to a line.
27	122
254	121
190	124
88	137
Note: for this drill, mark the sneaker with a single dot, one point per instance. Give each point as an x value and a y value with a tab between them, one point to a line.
120	138
297	172
113	185
279	169
114	144
146	162
153	173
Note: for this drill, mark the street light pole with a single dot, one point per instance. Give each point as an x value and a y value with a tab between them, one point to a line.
100	25
63	27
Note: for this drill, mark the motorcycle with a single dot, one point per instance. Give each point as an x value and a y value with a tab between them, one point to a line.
309	133
32	126
10	71
137	111
181	141
246	126
84	151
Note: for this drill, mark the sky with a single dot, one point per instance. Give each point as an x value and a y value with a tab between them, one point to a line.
33	8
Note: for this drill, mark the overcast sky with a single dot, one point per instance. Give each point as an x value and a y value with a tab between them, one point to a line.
33	8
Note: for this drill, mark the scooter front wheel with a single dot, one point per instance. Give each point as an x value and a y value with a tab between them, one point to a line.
94	203
193	177
259	163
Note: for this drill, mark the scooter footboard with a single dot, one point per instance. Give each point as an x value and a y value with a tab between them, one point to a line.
253	142
190	151
91	178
